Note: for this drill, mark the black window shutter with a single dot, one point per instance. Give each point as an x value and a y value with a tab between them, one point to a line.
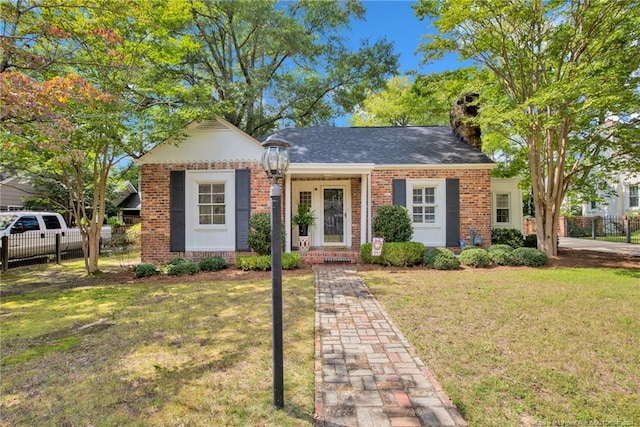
177	211
453	212
399	188
243	208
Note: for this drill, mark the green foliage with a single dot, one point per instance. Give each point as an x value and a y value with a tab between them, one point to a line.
441	259
507	236
260	233
252	263
134	235
304	216
530	257
531	240
213	263
501	254
397	254
393	224
500	247
291	261
558	123
145	269
180	266
476	258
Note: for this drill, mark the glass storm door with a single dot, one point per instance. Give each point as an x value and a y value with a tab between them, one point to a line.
333	216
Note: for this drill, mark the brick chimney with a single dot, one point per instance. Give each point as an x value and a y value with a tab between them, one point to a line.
468	132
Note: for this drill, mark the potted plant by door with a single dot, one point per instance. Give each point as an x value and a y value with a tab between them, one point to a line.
303	219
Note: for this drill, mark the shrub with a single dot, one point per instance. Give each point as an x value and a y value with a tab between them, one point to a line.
476	258
259	239
530	257
507	236
260	262
397	254
501	254
393	224
176	260
502	257
213	263
530	241
500	247
145	269
260	233
441	259
291	261
134	234
180	266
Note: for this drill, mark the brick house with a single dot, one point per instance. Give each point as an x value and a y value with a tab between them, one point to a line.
199	193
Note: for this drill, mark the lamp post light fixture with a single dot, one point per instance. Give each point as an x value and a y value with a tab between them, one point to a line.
275	161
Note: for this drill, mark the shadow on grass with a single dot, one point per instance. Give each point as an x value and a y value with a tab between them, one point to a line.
168	350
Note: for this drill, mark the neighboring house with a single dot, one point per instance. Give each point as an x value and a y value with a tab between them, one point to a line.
626	198
128	202
13	192
199	193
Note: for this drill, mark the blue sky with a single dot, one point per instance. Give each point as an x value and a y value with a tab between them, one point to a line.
395	20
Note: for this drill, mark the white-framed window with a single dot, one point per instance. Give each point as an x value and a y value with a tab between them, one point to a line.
211	203
503	208
305	199
634	196
424	205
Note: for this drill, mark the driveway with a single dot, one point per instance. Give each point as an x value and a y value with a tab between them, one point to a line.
599	246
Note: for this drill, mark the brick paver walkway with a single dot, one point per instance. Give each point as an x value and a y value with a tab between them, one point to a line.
367	373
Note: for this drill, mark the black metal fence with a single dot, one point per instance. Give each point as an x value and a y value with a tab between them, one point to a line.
611	228
19	250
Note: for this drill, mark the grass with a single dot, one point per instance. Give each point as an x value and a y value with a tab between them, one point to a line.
520	346
88	351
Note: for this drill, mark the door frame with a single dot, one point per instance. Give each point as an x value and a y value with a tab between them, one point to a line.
317	188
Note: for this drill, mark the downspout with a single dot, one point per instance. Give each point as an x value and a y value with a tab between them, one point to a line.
368	237
287	212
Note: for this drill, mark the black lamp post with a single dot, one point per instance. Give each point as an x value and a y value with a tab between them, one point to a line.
275	161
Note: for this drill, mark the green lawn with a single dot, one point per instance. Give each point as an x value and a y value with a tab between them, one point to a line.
85	351
520	346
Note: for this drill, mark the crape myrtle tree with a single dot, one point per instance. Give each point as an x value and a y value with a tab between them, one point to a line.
560	78
73	78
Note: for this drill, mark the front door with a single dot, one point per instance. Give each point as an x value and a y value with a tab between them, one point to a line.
334	216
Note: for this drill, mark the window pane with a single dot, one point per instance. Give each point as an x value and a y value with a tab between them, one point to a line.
429	195
305	198
430	215
502	201
204	198
204	188
417	195
502	215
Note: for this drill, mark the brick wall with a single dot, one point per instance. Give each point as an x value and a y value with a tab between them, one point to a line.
155	206
475	202
475	195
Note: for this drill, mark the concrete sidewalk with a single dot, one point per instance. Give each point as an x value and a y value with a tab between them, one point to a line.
366	372
599	246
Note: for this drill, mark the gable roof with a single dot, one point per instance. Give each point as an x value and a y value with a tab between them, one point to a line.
411	145
209	140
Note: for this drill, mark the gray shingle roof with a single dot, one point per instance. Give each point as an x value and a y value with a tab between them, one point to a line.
425	145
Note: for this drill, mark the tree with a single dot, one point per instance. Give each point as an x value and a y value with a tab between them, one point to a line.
270	63
75	89
555	73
